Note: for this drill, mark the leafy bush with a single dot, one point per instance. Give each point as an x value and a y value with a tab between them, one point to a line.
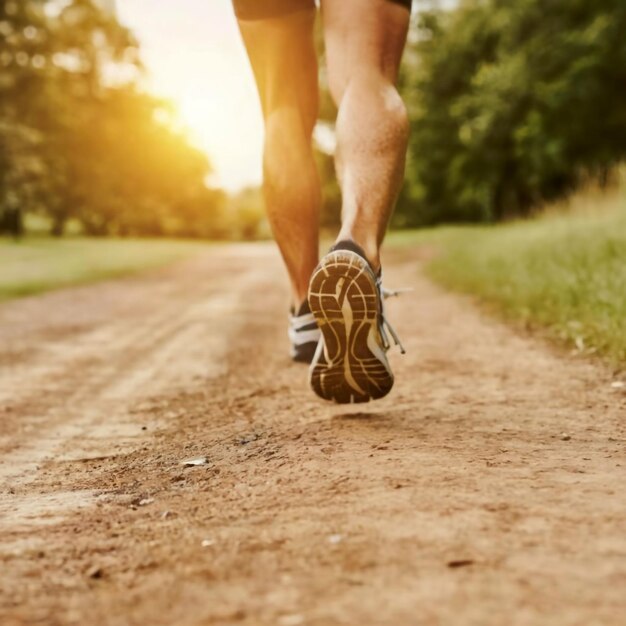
512	103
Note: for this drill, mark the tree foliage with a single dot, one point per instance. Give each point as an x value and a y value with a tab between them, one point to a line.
512	103
79	140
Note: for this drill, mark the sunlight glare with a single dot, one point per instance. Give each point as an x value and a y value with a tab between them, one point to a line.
194	56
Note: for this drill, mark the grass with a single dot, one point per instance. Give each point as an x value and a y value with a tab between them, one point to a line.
38	264
565	271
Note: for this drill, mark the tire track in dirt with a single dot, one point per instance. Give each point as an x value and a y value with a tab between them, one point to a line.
485	490
81	382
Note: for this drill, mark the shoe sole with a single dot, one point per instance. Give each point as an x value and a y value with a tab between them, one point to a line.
344	300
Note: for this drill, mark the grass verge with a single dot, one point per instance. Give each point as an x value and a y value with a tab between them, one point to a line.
35	265
563	272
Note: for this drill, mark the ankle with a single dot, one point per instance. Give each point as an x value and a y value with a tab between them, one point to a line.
369	247
300	300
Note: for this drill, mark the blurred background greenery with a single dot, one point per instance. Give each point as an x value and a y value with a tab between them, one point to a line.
512	104
83	149
518	114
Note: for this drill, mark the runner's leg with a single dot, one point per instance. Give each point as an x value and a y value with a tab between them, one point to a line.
284	62
364	44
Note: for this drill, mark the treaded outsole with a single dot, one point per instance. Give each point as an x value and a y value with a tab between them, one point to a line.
344	299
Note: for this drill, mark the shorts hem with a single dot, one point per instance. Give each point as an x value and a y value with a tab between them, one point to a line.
249	10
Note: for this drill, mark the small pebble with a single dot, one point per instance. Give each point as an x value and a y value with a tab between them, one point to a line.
246	439
460	563
565	437
201	460
335	539
618	384
207	543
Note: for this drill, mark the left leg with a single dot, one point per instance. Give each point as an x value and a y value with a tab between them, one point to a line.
282	54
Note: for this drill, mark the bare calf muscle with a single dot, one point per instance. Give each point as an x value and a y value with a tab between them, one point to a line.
364	43
283	60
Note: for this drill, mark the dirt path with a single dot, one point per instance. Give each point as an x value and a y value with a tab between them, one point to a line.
487	490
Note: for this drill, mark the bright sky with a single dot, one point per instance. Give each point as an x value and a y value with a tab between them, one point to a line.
195	57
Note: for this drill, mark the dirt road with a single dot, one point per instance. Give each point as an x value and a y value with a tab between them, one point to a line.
488	489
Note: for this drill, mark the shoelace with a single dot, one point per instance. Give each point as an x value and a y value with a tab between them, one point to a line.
385	326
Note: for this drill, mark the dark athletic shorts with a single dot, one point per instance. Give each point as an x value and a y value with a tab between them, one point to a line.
265	9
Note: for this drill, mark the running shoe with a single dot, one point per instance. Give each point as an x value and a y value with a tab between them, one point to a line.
304	334
346	297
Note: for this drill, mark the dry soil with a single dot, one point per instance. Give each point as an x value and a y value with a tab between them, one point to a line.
487	489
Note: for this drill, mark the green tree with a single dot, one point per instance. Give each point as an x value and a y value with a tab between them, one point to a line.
80	141
23	55
512	104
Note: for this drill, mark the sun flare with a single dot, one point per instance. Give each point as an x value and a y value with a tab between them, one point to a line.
194	57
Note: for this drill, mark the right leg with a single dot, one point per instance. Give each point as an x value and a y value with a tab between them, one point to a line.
364	44
282	54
